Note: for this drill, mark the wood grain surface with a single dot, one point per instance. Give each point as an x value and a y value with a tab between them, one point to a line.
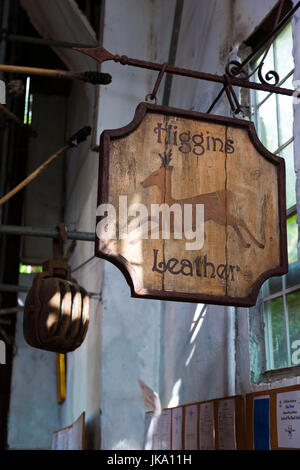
175	157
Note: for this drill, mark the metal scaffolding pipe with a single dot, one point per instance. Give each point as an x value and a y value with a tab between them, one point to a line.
7	36
13	288
46	233
10	310
40	232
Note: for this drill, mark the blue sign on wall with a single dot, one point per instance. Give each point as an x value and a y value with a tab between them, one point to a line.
261	423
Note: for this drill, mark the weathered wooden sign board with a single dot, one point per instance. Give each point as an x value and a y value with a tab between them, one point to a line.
179	157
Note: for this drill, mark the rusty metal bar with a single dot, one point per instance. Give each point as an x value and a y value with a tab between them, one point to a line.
41	232
101	55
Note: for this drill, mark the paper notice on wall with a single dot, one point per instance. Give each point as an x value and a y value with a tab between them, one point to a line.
151	398
177	428
226	424
288	419
61	440
164	426
207	426
71	437
148	431
161	426
191	428
155	433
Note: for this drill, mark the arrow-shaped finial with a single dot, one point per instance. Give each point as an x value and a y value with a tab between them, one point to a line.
98	53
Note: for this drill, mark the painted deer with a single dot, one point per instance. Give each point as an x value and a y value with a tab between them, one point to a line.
214	203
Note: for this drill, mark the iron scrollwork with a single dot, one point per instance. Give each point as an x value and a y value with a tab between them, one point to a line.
235	68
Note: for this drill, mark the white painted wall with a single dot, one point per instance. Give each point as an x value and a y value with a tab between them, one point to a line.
131	328
123	341
33	413
84	364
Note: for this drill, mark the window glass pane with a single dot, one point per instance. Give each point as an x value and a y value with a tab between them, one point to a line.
272	285
293	276
292	237
288	155
286	113
267	123
274	119
278	345
283	46
293	305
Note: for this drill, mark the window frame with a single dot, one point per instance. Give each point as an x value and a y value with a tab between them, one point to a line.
268	371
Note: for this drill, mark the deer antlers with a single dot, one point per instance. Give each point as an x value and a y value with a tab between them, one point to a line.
165	159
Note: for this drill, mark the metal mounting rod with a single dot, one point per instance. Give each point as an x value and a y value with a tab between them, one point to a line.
100	54
41	232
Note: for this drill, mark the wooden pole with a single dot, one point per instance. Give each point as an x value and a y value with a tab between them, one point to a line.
33	175
17	120
76	139
96	78
39	71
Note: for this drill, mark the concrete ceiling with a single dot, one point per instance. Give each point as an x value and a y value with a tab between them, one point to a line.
63	21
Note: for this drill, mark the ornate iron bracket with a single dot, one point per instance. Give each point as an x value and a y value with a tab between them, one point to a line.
235	74
100	54
235	68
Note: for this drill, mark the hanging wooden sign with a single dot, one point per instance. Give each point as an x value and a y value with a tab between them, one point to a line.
191	207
